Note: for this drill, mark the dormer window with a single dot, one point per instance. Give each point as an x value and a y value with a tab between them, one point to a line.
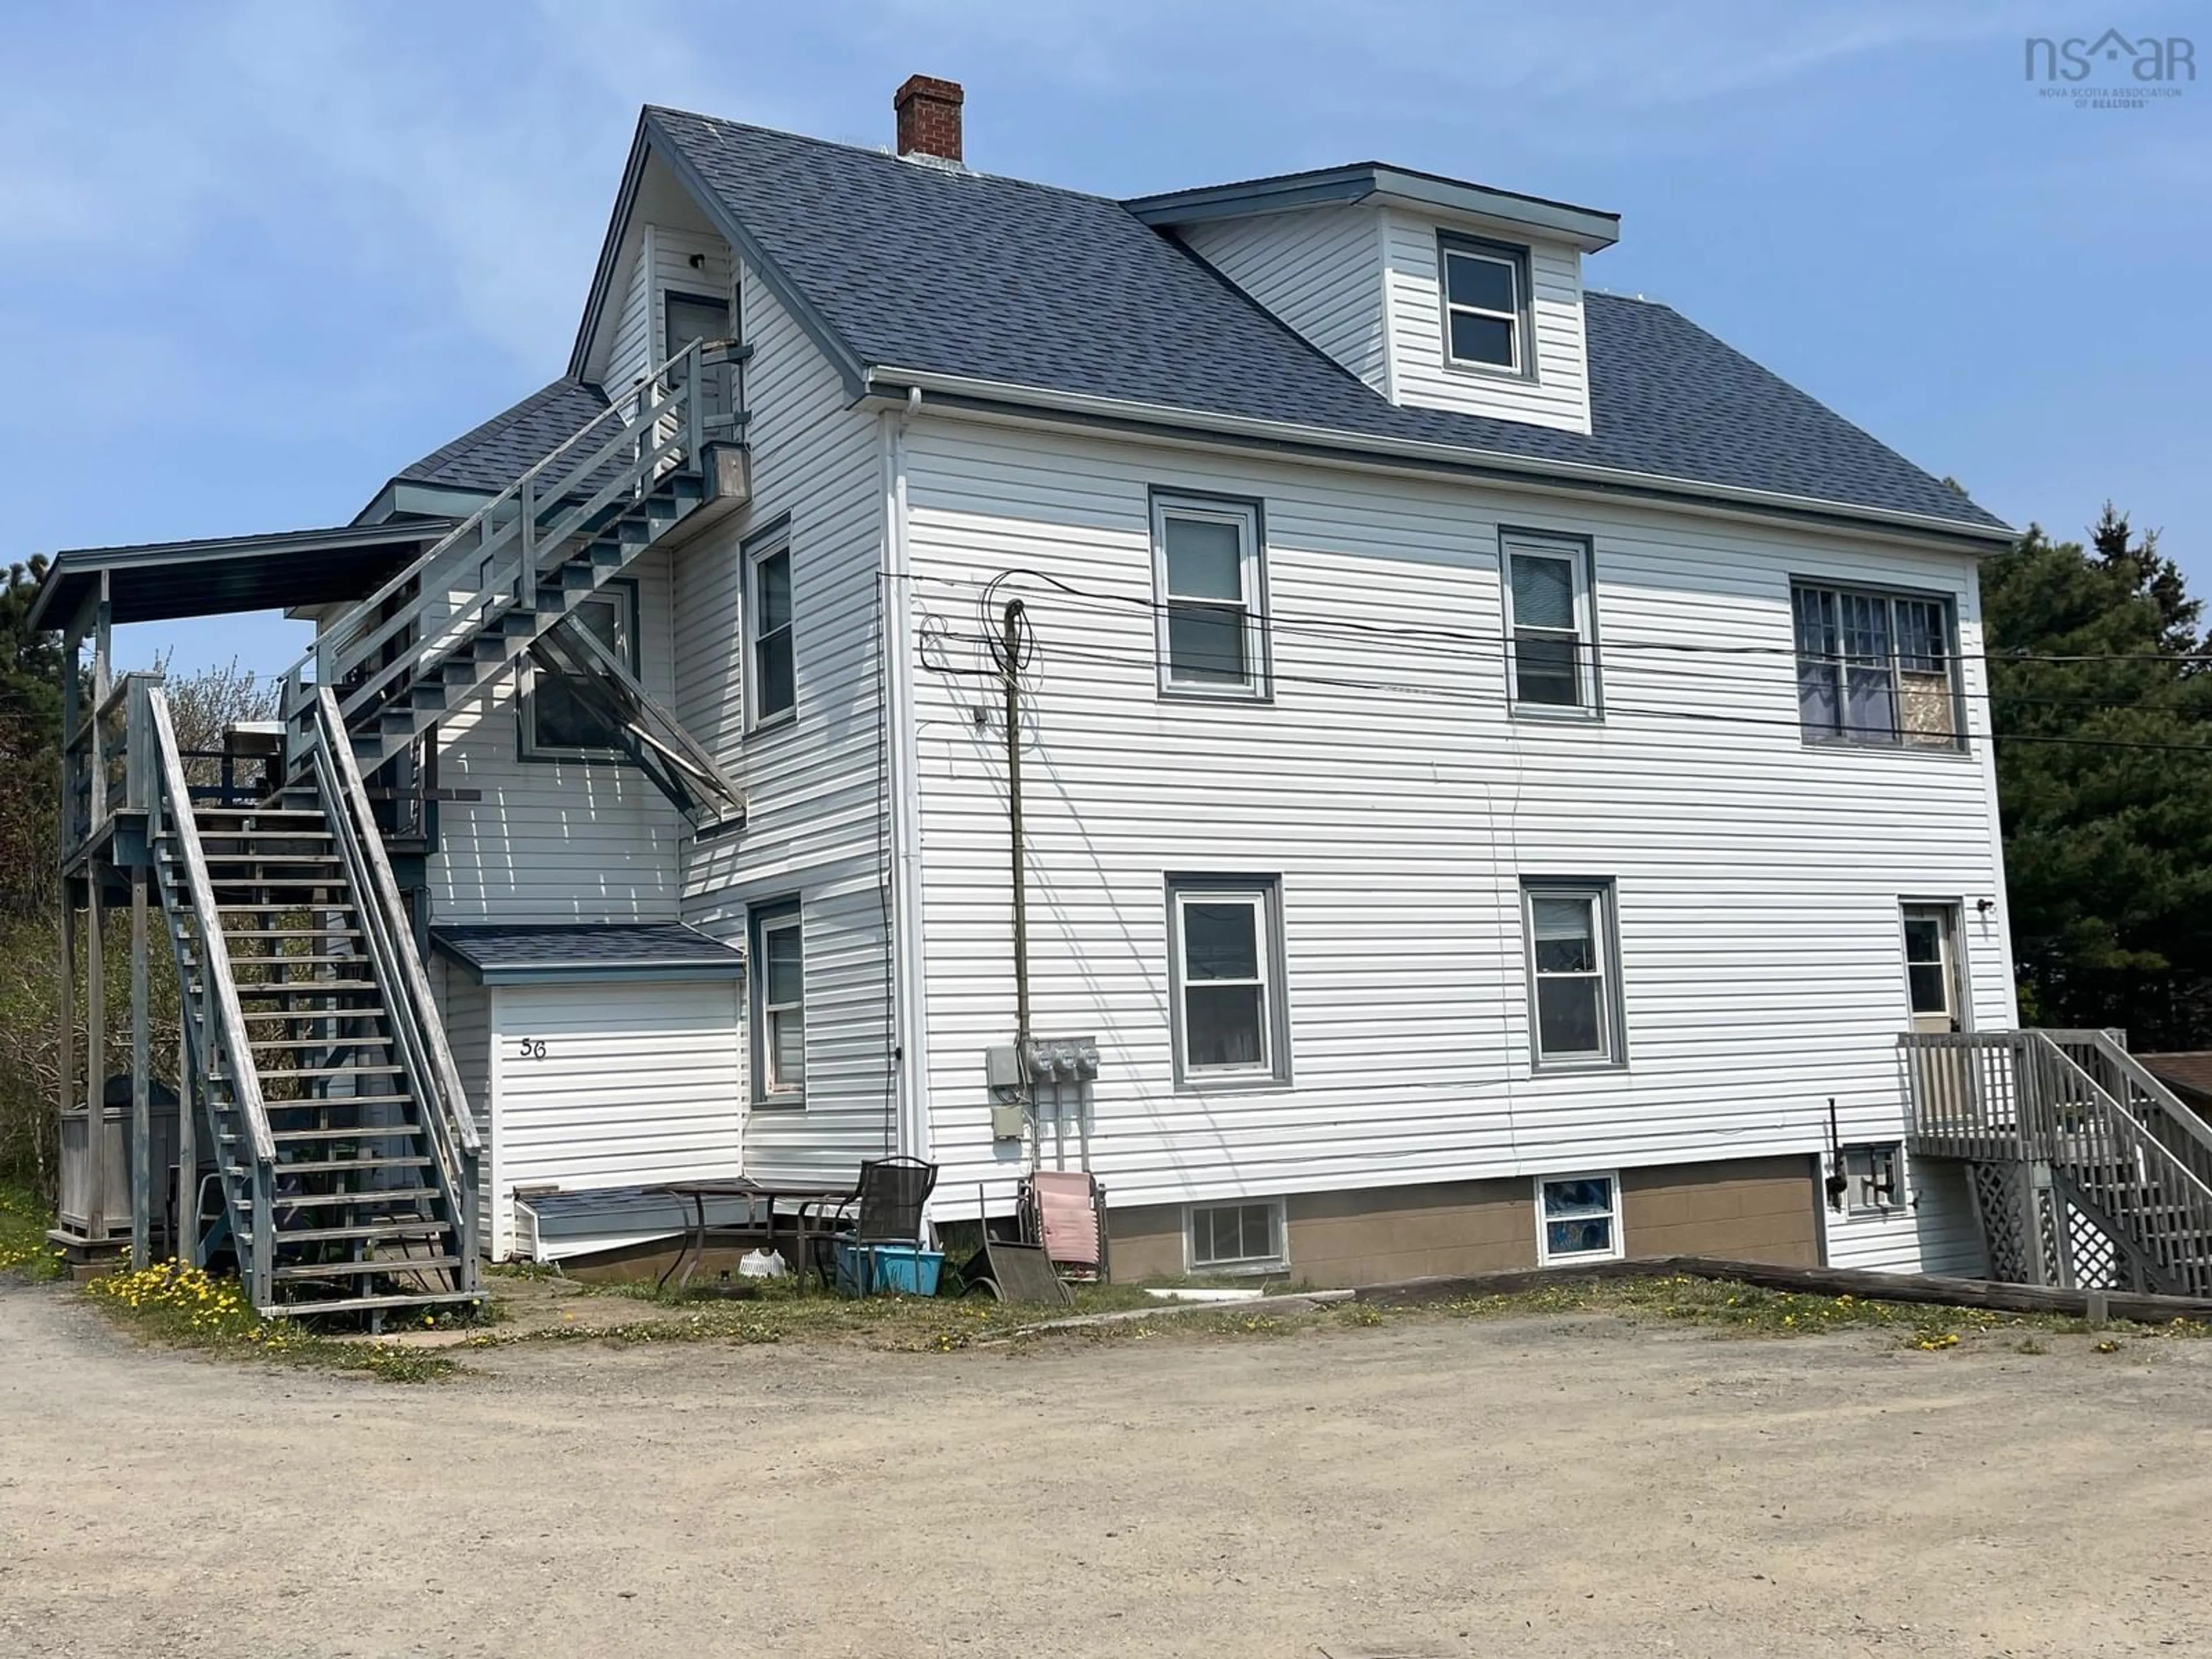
1485	291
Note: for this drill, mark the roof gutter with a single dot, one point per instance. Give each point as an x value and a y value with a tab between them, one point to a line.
1164	420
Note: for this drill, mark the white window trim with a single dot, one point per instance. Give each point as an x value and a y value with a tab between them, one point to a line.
623	594
1580	558
766	546
786	914
1960	968
1612	1178
1520	320
1606	932
1252	568
1273	1070
1279	1224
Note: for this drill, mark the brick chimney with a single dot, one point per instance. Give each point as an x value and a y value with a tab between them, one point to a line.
929	117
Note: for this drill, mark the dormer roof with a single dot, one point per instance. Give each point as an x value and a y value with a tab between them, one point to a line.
1586	228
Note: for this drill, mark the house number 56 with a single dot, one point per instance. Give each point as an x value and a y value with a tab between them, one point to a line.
531	1048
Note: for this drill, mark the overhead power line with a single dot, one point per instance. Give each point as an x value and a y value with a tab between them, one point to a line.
1493	643
1092	652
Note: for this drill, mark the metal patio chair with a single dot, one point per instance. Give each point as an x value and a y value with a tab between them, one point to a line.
885	1208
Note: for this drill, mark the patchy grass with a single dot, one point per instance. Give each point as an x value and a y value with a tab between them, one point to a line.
782	1311
1747	1310
184	1307
24	1247
179	1306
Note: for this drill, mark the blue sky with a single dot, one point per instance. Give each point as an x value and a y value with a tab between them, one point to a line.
255	258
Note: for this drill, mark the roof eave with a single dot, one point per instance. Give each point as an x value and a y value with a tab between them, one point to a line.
369	542
887	381
655	139
598	972
1588	229
603	274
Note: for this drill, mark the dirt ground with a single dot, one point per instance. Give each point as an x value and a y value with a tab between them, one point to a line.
1432	1486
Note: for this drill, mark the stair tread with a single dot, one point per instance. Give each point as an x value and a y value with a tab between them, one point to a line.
303	958
324	1040
292	933
327	1102
266	908
278	987
313	1014
348	1165
323	1200
397	1227
298	1270
374	1068
362	1303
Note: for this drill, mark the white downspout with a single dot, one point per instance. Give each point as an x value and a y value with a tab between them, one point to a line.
903	764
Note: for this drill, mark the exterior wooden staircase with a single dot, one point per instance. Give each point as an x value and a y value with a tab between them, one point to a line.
459	619
2085	1171
345	1153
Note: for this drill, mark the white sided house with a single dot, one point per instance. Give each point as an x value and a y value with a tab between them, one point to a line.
1503	778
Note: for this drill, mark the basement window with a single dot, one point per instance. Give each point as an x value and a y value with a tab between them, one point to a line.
1578	1218
1873	1178
1237	1237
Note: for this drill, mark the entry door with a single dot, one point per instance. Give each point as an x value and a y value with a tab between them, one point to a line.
694	317
1931	966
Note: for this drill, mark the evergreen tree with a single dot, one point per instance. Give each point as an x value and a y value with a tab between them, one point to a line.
2104	775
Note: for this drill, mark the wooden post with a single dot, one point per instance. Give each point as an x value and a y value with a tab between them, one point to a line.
186	1243
95	1045
143	1181
67	1010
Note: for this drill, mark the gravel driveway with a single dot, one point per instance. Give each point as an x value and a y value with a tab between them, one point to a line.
1562	1486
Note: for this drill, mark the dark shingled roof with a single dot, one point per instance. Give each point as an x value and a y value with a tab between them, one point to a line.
504	448
923	267
551	953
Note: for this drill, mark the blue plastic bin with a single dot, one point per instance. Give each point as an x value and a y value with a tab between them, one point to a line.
889	1267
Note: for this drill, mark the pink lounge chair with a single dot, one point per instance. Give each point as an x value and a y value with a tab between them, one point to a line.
1065	1211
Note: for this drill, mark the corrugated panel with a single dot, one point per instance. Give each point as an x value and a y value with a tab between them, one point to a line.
1558	396
1386	786
1320	271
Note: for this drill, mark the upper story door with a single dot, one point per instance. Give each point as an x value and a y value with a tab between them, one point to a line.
1932	980
696	317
